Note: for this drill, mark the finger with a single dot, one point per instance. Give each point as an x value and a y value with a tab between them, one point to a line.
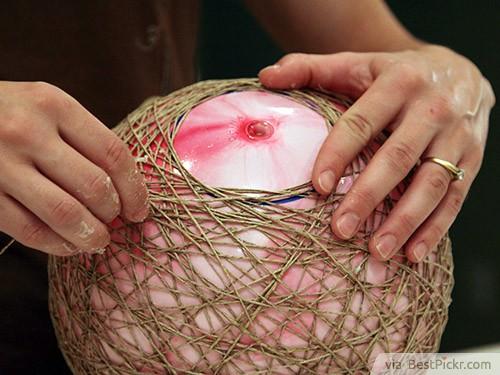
56	208
347	73
428	235
390	164
429	186
92	139
372	112
82	179
17	222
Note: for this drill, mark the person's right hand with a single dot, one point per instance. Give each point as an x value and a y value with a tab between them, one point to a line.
63	174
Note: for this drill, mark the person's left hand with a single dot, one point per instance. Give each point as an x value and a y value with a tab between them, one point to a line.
434	102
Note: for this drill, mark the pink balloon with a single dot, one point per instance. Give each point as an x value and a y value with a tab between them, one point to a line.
251	140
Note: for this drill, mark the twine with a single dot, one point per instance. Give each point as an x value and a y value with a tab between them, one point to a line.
9	243
178	302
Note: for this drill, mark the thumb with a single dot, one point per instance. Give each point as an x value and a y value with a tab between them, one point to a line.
346	72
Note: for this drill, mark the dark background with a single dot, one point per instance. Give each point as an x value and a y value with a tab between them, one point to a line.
233	45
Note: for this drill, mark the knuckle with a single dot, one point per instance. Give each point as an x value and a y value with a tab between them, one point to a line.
42	88
401	156
467	133
455	202
439	182
442	109
49	98
33	234
17	129
45	96
408	75
66	212
14	130
407	222
358	126
363	197
362	76
490	93
116	155
435	232
477	158
39	87
96	188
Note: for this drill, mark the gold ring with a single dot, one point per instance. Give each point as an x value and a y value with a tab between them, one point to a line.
455	172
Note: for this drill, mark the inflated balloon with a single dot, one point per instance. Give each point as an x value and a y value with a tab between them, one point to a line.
236	271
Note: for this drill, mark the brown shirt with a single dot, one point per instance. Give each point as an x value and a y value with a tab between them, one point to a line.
110	55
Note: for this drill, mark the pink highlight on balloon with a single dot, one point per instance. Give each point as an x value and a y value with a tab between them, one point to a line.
251	139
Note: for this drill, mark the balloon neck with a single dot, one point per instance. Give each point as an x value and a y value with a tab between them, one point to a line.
259	130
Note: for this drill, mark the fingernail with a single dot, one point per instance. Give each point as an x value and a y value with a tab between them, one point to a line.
134	175
115	198
386	245
141	215
420	251
105	240
270	67
326	181
85	231
116	212
70	248
347	224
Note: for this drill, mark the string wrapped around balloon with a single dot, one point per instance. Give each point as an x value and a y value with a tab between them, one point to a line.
236	270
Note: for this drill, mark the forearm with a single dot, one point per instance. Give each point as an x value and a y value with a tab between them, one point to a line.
328	26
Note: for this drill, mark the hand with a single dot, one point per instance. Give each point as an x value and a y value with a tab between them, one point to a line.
433	101
63	173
